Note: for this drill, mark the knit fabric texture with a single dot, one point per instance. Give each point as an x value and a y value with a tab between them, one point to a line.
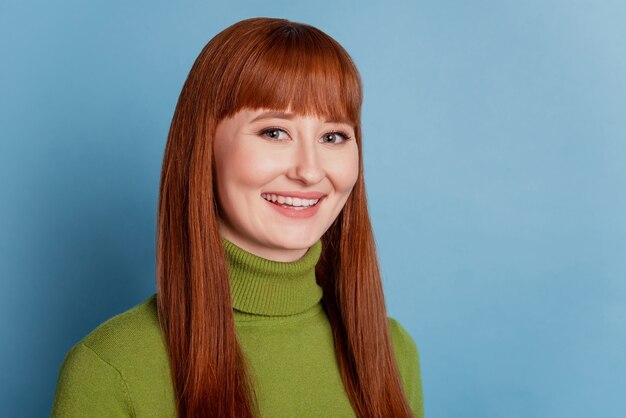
121	368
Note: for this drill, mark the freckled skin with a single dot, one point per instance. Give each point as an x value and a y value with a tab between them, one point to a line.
295	158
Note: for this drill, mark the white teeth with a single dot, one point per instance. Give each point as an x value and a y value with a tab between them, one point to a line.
291	201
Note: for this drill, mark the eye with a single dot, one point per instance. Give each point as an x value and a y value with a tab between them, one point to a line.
331	137
272	133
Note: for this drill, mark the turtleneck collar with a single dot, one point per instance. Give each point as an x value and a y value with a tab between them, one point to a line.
272	288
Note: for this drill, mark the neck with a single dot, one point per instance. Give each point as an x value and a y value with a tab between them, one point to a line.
272	288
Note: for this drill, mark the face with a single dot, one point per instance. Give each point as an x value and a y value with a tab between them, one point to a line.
281	179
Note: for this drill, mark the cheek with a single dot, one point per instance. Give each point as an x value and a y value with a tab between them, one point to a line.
346	172
246	167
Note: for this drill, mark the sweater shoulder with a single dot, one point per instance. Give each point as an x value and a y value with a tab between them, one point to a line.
119	369
407	357
401	338
134	332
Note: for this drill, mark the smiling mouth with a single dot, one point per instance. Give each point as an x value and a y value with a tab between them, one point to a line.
291	203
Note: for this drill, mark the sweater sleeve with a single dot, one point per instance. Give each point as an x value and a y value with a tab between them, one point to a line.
409	365
89	386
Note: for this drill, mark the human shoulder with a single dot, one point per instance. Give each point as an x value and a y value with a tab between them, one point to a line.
118	369
402	340
407	356
133	331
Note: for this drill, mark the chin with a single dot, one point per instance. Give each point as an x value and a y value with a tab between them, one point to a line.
293	245
297	243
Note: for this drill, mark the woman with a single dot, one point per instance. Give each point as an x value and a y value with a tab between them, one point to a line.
269	299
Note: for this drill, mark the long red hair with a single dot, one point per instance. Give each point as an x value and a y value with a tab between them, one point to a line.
276	64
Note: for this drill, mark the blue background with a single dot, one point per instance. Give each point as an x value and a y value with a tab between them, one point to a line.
495	149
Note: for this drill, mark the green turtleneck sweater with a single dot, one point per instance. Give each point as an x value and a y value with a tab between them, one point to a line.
121	368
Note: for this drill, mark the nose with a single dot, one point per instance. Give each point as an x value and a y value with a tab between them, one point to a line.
307	165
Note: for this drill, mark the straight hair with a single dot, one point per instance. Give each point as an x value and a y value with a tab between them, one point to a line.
273	64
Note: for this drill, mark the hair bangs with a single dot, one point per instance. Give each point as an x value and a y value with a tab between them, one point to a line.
298	69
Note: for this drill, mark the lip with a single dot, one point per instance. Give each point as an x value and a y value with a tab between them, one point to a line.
296	213
301	195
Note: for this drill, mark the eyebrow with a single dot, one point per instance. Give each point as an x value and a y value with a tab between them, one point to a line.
290	116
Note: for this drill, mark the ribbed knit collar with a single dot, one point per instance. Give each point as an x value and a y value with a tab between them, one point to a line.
273	288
